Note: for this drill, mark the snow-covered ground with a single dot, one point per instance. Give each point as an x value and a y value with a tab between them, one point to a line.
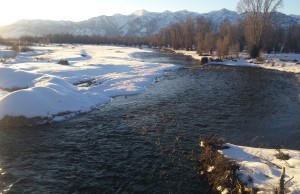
34	85
282	62
265	169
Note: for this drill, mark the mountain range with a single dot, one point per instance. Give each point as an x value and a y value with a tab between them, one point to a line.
139	23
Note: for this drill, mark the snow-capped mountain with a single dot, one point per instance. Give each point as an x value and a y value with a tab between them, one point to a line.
139	23
224	14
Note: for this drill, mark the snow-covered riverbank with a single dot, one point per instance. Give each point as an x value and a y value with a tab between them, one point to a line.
288	62
237	169
261	168
264	169
33	85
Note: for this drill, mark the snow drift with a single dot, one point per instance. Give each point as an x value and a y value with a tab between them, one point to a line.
43	88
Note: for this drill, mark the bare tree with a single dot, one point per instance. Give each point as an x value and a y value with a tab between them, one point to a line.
258	14
293	39
188	33
176	32
227	40
223	44
297	38
204	35
209	42
274	38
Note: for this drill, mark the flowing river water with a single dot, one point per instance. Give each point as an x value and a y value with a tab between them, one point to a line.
148	143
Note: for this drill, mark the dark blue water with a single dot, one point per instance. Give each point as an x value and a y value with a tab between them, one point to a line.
148	143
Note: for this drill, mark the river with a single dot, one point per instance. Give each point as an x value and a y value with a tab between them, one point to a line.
148	143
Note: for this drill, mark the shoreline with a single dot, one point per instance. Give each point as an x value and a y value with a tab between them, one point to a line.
240	169
259	170
286	62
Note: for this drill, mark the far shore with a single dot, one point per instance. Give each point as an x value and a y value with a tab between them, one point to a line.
287	62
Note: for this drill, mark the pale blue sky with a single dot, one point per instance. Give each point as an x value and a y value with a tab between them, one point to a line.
77	10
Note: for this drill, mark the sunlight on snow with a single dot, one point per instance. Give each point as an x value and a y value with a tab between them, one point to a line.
46	89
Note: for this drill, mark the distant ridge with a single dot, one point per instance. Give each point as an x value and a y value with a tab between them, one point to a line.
139	23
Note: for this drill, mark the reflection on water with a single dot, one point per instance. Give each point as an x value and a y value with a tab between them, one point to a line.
149	142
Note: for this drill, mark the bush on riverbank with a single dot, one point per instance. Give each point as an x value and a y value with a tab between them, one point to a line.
63	62
219	170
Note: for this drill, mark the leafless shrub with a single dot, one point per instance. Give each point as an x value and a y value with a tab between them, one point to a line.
63	62
281	155
235	50
25	48
213	142
14	47
3	60
219	170
19	46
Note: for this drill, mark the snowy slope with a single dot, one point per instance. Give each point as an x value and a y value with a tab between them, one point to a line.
224	14
43	88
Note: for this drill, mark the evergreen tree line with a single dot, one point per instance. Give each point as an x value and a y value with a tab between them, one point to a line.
226	39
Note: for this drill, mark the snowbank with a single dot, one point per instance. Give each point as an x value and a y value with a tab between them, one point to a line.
265	169
283	62
12	78
34	85
50	96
